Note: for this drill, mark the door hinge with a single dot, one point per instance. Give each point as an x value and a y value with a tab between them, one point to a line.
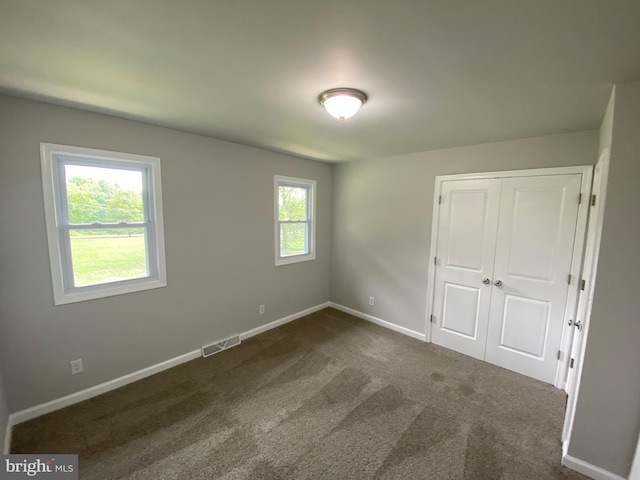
579	198
571	363
593	200
583	284
435	260
432	319
439	199
559	354
569	279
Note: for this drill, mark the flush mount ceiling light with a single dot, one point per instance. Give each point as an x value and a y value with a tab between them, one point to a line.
342	103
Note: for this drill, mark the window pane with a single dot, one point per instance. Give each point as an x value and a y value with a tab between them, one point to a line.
293	239
105	195
292	202
108	255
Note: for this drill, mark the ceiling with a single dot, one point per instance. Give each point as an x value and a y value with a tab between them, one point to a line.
438	73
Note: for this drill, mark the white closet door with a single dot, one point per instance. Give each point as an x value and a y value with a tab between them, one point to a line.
467	229
534	248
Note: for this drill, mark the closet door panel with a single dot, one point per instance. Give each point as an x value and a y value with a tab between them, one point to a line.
534	249
465	255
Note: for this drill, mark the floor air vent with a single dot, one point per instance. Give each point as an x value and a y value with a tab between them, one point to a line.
219	346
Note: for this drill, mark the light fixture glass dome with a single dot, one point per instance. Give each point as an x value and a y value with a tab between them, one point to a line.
342	103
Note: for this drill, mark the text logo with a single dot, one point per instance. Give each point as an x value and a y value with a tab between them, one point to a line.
50	467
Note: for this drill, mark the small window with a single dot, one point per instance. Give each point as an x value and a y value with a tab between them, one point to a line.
104	222
294	220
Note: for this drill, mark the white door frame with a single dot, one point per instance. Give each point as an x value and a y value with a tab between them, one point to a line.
635	466
576	261
583	315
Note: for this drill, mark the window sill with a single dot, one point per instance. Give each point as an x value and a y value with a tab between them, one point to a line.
294	259
92	293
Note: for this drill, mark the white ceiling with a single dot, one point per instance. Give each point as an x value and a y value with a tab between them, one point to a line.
439	73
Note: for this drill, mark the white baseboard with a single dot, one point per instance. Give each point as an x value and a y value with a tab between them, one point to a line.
282	321
59	403
565	448
589	470
379	321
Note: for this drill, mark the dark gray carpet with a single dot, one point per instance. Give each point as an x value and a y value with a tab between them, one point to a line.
328	396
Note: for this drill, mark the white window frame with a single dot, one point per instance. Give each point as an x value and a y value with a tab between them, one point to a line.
280	180
53	158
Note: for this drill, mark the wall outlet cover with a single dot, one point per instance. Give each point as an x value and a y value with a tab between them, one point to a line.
76	366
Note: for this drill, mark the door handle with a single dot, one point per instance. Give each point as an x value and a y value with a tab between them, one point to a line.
486	281
498	283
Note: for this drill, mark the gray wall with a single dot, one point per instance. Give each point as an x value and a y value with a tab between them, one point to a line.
607	420
383	210
218	217
4	412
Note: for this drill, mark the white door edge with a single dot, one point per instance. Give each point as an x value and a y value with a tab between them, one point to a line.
431	275
573	294
590	263
635	467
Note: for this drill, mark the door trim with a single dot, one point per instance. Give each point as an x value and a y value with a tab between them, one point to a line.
576	261
635	466
573	295
583	310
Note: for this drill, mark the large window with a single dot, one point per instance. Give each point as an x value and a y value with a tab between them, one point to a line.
295	219
104	222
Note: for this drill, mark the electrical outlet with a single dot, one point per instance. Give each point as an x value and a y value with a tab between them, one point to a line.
76	366
372	301
261	309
